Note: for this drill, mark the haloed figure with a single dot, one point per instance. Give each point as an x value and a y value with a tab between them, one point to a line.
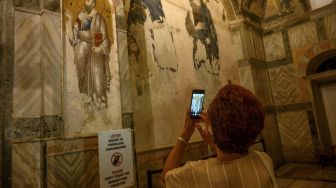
89	39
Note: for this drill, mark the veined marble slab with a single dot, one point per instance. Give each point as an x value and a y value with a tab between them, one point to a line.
51	63
284	85
274	47
296	139
302	35
330	24
26	168
80	169
27	65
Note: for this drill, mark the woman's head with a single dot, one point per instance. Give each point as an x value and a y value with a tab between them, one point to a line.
237	118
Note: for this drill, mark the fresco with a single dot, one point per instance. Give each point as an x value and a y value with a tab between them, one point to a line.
254	9
162	39
200	27
278	8
92	95
174	47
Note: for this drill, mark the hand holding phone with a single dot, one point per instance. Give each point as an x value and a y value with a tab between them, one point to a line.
196	105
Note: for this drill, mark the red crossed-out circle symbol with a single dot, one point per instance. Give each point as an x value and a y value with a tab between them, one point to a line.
116	159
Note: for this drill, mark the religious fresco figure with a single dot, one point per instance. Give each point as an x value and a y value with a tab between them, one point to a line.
90	41
163	41
205	48
136	66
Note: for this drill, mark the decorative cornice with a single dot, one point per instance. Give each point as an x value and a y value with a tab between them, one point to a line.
280	62
288	107
252	61
296	20
37	128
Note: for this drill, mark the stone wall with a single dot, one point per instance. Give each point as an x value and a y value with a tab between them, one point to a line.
161	58
1	79
289	49
6	87
170	56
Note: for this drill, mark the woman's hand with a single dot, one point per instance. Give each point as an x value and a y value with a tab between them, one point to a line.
189	126
205	133
175	156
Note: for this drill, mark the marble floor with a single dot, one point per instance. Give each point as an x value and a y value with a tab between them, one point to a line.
295	175
297	183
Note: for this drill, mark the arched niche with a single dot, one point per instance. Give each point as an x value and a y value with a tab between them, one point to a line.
319	60
321	74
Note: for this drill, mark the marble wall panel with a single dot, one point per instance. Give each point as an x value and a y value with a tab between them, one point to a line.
330	25
284	85
247	43
258	46
52	126
27	128
52	91
51	41
261	85
79	169
296	139
274	47
302	35
303	56
51	64
27	68
246	78
36	128
26	168
272	139
63	146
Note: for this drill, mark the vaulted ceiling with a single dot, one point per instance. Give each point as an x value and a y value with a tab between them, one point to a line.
264	10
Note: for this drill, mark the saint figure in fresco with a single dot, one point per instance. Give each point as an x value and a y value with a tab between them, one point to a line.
163	41
205	50
89	38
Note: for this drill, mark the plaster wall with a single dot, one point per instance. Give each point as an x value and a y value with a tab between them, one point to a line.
168	90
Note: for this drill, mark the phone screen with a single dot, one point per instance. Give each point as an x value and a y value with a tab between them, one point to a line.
196	106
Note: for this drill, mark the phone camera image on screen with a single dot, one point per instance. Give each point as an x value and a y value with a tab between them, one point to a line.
196	107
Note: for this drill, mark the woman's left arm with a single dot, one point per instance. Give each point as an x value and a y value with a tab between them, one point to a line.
175	156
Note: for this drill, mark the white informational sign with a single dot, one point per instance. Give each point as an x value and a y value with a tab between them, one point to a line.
116	158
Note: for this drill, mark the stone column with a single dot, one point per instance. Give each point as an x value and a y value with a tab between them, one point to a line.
6	86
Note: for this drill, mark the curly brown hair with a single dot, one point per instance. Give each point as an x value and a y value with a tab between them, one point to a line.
236	117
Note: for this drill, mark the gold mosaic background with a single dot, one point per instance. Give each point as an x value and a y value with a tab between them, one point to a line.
102	6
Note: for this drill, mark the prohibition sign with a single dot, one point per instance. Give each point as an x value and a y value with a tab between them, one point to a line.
116	159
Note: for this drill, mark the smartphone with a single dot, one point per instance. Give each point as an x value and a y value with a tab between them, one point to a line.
196	105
